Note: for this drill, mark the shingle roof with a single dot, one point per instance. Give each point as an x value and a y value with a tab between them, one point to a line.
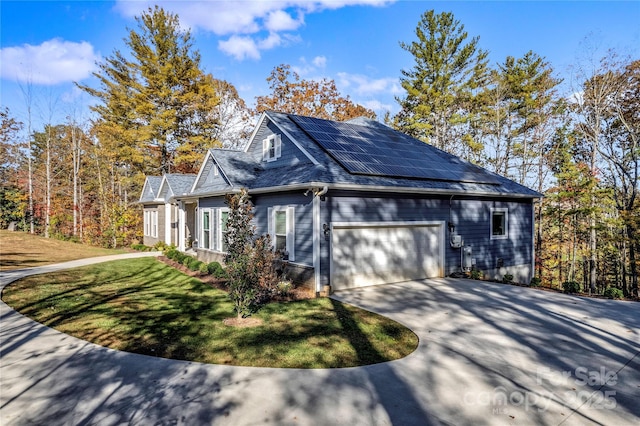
242	169
180	183
150	189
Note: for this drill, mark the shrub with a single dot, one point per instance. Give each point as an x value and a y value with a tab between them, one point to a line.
195	264
204	268
180	257
160	246
171	253
140	247
475	274
507	278
250	263
535	282
216	270
613	293
186	260
284	287
571	287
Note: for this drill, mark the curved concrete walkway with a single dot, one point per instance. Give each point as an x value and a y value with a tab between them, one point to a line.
489	355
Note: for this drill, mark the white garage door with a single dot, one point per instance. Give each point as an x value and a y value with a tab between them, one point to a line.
369	254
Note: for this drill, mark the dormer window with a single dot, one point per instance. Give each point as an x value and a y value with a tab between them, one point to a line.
271	148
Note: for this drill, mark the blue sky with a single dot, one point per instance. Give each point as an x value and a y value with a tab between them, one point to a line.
354	42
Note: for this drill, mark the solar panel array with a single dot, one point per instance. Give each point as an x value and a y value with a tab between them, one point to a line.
382	151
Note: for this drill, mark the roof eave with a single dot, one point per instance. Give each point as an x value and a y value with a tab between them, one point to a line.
380	188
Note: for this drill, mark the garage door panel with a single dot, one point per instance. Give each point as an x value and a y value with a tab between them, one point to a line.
384	254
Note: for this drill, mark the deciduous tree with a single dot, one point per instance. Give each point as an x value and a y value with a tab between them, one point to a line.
314	98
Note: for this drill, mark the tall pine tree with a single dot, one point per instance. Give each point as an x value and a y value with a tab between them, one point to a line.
156	100
442	85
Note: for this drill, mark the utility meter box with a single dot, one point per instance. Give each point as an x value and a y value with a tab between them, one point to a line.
467	261
456	241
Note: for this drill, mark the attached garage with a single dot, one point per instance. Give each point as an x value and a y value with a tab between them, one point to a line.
364	254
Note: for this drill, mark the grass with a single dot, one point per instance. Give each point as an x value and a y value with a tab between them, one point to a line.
22	250
146	307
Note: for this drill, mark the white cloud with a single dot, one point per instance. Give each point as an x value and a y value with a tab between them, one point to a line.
245	47
279	20
52	62
240	47
319	61
274	40
243	18
365	85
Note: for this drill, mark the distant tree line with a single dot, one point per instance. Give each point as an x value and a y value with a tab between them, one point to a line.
158	112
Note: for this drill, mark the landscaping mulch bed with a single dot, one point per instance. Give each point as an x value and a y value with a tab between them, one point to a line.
296	293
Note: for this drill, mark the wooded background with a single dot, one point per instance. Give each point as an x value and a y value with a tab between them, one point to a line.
158	112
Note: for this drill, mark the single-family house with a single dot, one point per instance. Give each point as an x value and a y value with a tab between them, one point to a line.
351	204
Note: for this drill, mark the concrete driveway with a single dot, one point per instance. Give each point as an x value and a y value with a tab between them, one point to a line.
488	354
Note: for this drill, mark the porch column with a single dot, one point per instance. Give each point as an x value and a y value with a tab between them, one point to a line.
167	223
181	226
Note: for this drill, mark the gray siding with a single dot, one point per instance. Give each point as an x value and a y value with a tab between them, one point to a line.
303	220
291	155
471	217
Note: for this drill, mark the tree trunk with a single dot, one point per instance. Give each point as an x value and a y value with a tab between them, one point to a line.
47	210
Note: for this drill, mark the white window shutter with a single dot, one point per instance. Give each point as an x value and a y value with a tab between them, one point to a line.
291	234
271	226
278	143
265	149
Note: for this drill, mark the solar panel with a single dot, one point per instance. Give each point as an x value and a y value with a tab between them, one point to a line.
382	151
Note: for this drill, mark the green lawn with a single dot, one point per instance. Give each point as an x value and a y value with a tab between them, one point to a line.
22	250
146	307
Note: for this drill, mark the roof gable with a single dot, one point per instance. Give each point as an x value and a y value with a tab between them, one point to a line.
268	125
150	189
211	175
175	184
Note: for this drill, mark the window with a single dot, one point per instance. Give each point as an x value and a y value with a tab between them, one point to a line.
213	226
206	229
151	223
499	223
282	230
271	148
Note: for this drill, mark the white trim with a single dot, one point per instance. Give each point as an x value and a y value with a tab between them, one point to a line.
162	185
255	131
181	226
506	223
202	167
289	211
276	139
167	224
205	241
316	241
220	241
387	224
398	224
154	223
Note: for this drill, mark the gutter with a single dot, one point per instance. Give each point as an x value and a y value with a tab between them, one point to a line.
367	188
